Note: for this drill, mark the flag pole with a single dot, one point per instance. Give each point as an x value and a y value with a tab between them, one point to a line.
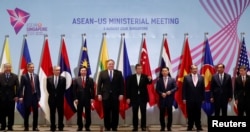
124	121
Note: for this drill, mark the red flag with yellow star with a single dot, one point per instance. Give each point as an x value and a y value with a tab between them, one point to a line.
184	69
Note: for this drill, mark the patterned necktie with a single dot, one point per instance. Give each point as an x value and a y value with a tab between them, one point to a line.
32	83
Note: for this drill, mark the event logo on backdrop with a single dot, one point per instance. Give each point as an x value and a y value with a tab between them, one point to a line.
18	18
36	29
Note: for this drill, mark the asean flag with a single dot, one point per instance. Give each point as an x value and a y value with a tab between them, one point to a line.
69	109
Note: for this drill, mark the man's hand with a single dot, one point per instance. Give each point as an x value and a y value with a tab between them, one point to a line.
121	97
21	100
128	101
100	97
76	101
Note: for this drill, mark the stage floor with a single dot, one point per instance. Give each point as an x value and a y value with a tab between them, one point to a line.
99	128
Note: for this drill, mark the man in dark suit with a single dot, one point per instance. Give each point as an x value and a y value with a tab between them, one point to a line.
193	95
137	95
242	92
56	86
166	87
84	94
9	85
29	95
110	90
221	90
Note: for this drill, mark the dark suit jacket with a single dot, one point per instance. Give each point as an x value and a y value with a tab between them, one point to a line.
56	93
225	90
105	87
239	89
25	90
160	88
133	88
190	93
81	93
8	87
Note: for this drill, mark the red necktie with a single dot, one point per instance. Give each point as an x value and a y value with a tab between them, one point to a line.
83	82
32	83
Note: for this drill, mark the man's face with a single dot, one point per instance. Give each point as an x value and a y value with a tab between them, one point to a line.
7	68
194	69
83	72
220	69
164	72
110	65
31	68
56	71
243	72
138	69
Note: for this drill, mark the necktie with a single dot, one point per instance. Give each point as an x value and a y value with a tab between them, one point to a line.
244	80
165	82
7	76
56	81
83	82
221	79
32	83
110	75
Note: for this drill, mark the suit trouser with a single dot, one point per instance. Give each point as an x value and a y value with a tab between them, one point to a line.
87	109
7	110
57	105
194	114
243	107
220	103
135	107
111	112
169	115
27	110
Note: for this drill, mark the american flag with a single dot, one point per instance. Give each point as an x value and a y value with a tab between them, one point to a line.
243	57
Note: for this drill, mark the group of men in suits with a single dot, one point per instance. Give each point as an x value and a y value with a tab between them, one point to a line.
110	90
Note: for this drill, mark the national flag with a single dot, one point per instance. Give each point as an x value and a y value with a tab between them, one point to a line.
124	66
84	60
69	108
207	70
242	60
144	61
103	57
165	56
25	59
6	53
184	69
45	71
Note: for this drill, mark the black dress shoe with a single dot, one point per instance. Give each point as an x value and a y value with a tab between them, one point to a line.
107	129
87	129
189	129
114	129
26	129
162	129
35	129
79	129
2	128
143	129
199	129
135	129
60	129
